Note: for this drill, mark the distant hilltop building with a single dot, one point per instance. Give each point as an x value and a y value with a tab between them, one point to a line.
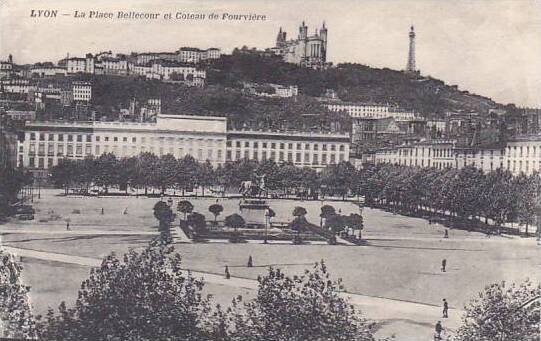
307	50
410	67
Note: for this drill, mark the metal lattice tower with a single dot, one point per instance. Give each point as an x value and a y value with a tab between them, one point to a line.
410	68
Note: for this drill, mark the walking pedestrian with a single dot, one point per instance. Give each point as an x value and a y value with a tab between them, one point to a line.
102	211
68	226
445	309
443	265
438	329
227	274
446	233
250	262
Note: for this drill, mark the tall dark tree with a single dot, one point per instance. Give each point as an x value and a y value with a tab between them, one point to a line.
143	296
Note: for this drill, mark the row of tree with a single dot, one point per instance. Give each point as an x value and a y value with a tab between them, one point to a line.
146	295
465	193
11	182
148	171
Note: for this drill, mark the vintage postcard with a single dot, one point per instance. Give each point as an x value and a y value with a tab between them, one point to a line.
270	170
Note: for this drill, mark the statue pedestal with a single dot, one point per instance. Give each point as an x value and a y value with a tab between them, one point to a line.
253	211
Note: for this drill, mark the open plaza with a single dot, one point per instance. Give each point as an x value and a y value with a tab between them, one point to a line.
394	276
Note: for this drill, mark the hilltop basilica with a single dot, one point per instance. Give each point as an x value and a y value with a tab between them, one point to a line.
307	50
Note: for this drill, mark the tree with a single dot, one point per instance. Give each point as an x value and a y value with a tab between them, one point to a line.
216	209
16	318
164	214
326	212
284	305
106	174
166	172
197	222
144	296
234	221
205	176
184	206
503	312
63	174
147	167
299	211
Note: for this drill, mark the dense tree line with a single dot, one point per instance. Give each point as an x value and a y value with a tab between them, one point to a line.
16	320
148	171
11	182
465	193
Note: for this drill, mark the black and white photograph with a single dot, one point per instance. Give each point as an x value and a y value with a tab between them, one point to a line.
270	170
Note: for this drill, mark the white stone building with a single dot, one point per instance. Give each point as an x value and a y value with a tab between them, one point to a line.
82	91
45	143
303	149
365	110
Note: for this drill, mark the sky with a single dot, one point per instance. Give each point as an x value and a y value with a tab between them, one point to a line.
489	47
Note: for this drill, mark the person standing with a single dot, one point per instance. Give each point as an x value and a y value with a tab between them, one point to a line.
446	233
438	329
445	309
68	226
250	262
443	265
227	274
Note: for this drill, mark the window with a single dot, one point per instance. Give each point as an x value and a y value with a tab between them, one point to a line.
133	139
79	150
264	155
333	147
246	144
42	137
324	159
79	138
264	144
228	143
32	162
32	136
49	163
298	157
256	145
237	144
299	145
88	138
342	148
41	162
97	150
237	155
51	137
70	138
115	139
88	149
124	139
290	145
316	146
281	156
307	146
282	145
273	145
97	139
256	155
70	150
50	149
228	155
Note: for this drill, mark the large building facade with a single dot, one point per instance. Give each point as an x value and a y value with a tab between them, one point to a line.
314	150
204	137
45	143
307	50
519	155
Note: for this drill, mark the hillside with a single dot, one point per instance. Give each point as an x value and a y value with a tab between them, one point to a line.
353	82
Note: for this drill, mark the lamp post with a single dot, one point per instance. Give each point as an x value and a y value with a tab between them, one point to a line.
266	225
